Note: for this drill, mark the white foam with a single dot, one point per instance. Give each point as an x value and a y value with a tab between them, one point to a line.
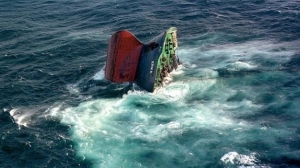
73	89
21	117
239	159
178	71
174	91
239	65
99	75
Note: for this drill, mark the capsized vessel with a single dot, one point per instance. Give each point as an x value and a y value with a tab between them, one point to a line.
148	65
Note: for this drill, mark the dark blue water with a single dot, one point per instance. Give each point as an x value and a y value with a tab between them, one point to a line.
234	101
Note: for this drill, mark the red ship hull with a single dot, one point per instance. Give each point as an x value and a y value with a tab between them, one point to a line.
122	57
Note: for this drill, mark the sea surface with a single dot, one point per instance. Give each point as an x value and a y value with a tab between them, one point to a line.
234	101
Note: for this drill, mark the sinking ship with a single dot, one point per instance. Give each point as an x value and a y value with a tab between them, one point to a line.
146	64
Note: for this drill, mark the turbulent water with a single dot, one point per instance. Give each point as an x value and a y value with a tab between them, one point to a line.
233	102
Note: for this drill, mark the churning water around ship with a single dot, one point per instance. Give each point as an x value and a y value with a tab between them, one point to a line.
233	102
